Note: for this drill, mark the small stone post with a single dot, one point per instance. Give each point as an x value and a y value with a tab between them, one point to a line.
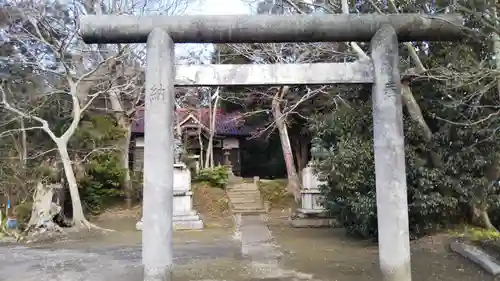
227	162
390	172
256	180
158	158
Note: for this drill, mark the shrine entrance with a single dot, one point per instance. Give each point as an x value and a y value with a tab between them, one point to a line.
162	32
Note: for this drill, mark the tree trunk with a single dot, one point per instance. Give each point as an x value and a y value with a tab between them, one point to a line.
293	179
78	216
44	209
481	217
416	115
485	219
496	42
200	141
207	156
210	148
301	154
24	145
124	124
22	151
297	150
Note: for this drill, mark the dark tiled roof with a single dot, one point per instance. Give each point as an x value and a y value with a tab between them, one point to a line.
227	124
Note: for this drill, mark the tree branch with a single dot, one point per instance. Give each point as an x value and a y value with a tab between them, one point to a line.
45	124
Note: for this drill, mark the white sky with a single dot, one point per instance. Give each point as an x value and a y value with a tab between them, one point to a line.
212	7
222	7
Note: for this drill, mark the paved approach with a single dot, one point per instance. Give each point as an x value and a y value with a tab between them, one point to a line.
19	263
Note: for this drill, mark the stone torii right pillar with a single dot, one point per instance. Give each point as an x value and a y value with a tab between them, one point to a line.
160	32
389	150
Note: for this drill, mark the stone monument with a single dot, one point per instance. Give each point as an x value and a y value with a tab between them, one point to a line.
310	194
184	217
311	213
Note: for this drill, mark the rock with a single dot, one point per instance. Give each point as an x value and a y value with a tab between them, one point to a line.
477	256
307	222
7	240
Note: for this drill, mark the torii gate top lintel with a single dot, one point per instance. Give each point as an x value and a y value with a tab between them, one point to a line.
270	28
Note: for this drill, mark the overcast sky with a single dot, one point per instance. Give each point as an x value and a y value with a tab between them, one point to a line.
222	7
212	7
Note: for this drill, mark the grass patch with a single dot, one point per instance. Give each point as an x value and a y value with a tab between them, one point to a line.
210	201
474	233
274	191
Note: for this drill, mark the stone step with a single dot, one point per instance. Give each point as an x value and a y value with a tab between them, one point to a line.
244	196
243	187
239	199
247	192
249	211
242	191
255	202
255	207
246	201
248	206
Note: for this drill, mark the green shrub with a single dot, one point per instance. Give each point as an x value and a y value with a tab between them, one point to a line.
215	177
102	183
23	214
137	178
343	153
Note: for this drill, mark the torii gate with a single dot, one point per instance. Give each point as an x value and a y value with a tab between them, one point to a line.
162	32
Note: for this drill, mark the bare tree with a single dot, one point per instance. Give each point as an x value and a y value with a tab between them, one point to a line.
123	104
284	101
67	73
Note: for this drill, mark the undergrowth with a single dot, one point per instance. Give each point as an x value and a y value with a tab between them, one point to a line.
474	233
274	191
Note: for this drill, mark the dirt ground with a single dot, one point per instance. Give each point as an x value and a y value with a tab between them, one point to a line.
211	203
327	253
324	254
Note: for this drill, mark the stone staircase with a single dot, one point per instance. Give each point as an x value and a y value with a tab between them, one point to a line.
245	198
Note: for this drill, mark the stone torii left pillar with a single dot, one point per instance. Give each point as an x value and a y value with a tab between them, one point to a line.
159	157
